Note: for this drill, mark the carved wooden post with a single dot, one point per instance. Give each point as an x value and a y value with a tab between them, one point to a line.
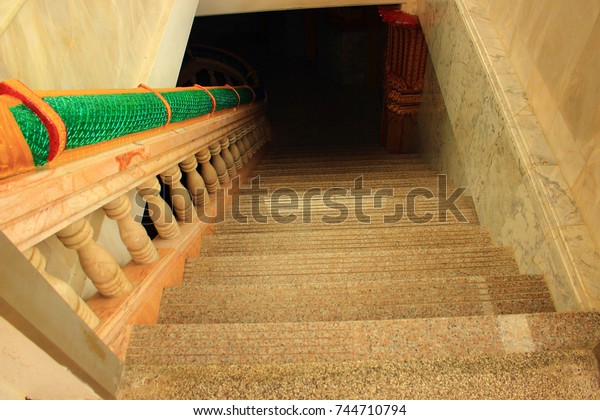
207	171
132	234
405	61
235	151
37	259
218	163
160	212
195	183
180	197
227	157
96	262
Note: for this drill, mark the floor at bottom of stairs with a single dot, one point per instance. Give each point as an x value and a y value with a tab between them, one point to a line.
547	375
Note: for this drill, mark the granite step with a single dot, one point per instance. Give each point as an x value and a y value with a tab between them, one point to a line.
400	184
466	270
247	224
415	203
341	161
326	169
350	175
398	339
556	375
353	301
352	261
357	239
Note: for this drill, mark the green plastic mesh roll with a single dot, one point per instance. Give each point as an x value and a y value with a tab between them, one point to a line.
91	119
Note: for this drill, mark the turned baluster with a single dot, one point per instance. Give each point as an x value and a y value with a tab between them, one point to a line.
159	211
235	151
95	261
208	172
132	234
253	140
260	134
218	163
227	157
37	259
195	183
180	196
242	146
247	143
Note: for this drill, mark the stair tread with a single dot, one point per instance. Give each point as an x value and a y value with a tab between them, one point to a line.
547	375
399	339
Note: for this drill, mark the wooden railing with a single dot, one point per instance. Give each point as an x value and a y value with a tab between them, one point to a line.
57	200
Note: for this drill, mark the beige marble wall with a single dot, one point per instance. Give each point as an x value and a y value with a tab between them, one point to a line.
491	131
81	44
554	49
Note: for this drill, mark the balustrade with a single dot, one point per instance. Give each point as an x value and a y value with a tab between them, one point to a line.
96	262
235	151
132	234
194	181
208	172
159	211
180	196
227	157
218	163
37	259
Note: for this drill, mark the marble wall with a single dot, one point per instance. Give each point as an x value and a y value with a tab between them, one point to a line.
554	49
477	125
81	44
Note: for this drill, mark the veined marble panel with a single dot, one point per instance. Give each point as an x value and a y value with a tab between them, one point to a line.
518	185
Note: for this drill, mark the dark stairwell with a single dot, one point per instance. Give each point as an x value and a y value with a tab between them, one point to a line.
350	309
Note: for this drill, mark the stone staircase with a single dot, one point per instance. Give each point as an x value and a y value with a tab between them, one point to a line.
355	310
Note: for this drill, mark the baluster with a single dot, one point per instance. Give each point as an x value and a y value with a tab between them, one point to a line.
218	163
227	157
159	211
132	234
95	261
242	147
247	143
195	183
180	197
208	172
37	259
253	139
235	151
260	136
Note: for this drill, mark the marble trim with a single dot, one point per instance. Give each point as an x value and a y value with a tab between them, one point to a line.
563	250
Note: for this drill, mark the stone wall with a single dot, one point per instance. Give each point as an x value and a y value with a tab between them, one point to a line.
477	125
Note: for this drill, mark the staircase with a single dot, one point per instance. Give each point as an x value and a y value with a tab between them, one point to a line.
350	309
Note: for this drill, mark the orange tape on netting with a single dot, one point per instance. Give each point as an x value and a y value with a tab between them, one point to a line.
212	98
57	131
162	99
236	94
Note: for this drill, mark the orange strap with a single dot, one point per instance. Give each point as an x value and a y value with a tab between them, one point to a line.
236	93
57	131
212	98
162	99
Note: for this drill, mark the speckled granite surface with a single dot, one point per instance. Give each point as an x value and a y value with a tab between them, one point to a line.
358	310
550	375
